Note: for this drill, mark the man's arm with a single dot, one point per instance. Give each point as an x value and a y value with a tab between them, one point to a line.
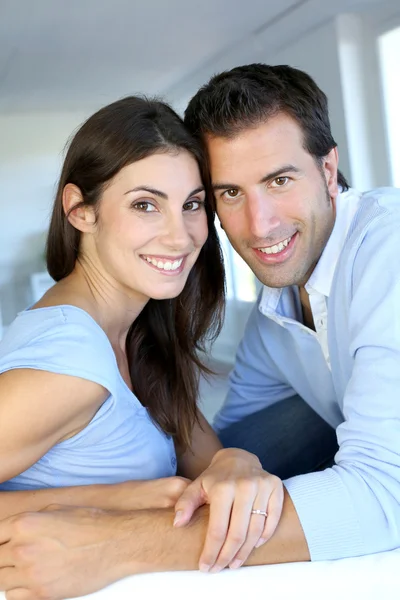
353	509
71	552
254	382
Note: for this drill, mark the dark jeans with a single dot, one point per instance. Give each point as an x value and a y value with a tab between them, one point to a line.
288	437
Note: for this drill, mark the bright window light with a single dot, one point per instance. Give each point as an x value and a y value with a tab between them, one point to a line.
389	51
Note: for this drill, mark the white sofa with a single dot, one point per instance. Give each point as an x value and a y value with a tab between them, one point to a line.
375	577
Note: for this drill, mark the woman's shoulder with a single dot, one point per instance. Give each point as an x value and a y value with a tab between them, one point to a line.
60	321
62	339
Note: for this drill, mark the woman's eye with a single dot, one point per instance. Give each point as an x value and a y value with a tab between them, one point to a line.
193	205
144	207
280	181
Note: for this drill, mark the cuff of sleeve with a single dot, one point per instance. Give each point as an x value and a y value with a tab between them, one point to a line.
326	514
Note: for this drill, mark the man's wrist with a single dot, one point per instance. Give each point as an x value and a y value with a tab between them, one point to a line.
234	453
147	542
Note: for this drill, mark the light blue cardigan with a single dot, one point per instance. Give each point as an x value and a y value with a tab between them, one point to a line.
352	508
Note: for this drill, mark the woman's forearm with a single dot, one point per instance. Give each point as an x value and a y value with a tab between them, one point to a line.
128	495
12	503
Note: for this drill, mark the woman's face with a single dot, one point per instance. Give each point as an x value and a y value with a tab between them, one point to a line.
151	226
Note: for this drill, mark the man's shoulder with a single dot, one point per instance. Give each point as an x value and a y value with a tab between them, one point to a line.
378	209
384	200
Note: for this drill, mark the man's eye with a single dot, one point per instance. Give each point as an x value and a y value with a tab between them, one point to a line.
232	193
280	181
144	207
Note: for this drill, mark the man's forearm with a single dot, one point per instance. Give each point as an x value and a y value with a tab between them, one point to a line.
151	544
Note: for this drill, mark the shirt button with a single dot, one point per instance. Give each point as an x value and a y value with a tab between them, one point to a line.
173	462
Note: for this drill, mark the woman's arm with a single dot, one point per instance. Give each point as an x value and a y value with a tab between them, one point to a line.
38	409
205	444
129	495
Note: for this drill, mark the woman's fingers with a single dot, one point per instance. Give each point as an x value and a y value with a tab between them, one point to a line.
218	525
274	510
239	524
188	502
257	523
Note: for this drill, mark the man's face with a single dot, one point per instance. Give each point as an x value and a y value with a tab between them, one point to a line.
275	203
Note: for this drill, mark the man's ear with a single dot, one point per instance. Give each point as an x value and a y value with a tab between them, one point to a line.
330	169
81	217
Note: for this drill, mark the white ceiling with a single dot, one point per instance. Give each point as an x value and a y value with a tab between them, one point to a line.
74	54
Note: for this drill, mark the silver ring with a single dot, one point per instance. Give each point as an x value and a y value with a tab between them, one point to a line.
259	512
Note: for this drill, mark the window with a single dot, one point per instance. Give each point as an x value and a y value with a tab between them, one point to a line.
389	52
240	280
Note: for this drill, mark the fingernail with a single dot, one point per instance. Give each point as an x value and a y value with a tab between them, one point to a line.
260	542
216	569
178	517
235	564
204	568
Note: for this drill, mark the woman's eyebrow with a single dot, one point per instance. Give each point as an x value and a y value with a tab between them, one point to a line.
150	190
159	193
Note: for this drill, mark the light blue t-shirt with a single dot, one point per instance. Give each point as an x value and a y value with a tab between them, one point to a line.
121	442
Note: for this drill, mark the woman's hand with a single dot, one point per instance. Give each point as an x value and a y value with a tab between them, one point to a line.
233	485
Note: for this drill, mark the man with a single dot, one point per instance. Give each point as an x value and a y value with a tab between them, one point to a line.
321	255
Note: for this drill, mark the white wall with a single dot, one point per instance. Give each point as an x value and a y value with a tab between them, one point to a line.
31	144
31	147
317	54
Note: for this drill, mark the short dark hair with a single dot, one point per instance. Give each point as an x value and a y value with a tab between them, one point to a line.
249	95
163	340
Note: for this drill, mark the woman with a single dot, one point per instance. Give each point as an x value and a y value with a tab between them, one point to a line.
99	379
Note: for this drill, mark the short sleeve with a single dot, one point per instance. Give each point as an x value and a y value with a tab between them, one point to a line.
64	340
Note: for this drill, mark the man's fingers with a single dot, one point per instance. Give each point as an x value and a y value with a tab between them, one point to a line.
20	594
190	501
10	578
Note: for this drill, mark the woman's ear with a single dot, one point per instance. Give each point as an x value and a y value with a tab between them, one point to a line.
81	217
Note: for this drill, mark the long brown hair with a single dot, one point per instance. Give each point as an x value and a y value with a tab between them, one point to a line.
163	342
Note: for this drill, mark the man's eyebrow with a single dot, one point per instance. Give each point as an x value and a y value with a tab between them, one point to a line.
276	173
159	193
280	171
225	186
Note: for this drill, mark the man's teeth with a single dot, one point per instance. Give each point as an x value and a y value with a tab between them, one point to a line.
167	265
277	248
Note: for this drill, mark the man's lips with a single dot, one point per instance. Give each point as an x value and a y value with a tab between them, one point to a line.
277	253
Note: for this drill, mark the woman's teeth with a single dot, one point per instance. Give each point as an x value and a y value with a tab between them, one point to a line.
166	265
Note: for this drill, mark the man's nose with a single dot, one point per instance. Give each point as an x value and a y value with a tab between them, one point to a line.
262	215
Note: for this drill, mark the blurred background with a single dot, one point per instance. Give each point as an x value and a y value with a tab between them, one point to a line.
61	60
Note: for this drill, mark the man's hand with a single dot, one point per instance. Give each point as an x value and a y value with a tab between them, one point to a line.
59	553
233	485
